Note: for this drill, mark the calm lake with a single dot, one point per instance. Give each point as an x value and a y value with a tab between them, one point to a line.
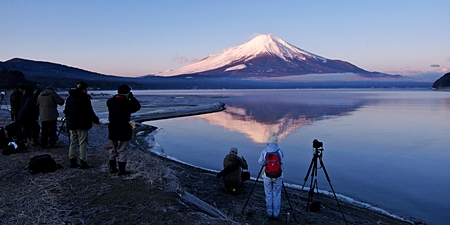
385	147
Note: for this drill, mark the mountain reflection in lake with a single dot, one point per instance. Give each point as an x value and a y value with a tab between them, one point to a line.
386	147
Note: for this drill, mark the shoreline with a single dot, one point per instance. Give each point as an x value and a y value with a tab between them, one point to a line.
158	177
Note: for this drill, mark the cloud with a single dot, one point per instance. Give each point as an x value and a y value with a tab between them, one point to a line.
435	65
448	60
184	60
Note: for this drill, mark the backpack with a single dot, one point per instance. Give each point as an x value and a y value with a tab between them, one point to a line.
42	164
273	165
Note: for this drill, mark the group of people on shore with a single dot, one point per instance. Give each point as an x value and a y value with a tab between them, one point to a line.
271	170
28	108
32	106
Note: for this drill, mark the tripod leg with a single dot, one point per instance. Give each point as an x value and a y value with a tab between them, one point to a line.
329	182
60	128
289	201
306	179
313	183
254	185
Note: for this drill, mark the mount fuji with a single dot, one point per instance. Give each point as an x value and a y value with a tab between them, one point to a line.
268	56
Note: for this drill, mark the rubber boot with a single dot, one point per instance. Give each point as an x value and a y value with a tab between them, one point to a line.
73	163
122	170
112	166
84	165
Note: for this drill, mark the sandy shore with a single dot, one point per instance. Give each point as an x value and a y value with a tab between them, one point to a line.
160	191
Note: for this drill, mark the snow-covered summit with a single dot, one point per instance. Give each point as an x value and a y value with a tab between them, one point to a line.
264	55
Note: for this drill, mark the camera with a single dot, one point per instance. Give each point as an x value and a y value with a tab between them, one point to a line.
317	144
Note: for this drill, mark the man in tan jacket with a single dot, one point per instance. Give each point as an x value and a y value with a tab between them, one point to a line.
48	102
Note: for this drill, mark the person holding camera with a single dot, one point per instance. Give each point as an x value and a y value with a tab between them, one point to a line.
270	158
48	102
233	165
120	131
79	116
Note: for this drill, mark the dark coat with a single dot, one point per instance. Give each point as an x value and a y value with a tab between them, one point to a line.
24	97
78	111
233	178
14	101
120	108
29	111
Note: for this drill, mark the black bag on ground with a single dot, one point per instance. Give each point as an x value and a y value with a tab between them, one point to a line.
42	164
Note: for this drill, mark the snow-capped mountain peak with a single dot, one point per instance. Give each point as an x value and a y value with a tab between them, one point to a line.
260	45
264	55
269	43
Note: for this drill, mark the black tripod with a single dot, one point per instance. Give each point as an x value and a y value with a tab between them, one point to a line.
317	156
284	188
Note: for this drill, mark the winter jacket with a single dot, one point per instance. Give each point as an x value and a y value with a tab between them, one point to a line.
272	186
78	111
48	102
233	178
120	108
270	147
14	101
29	111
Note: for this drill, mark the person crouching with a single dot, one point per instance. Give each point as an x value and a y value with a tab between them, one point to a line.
233	178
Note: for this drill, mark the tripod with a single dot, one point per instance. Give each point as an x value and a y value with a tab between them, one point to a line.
317	156
254	185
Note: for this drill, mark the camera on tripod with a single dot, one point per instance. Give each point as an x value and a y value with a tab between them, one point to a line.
317	144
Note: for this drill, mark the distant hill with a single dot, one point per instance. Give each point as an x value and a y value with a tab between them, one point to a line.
442	82
45	74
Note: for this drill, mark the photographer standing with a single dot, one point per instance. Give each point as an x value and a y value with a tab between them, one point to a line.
48	102
79	116
120	107
14	101
273	176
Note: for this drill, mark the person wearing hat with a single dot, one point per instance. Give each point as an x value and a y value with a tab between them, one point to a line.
233	178
120	132
48	102
272	186
79	117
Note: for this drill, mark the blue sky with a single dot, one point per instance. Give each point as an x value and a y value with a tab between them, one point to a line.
133	38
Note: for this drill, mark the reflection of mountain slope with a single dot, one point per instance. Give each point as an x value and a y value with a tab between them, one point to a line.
256	131
256	119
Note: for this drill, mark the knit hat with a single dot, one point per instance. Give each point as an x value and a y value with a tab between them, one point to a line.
124	89
272	138
233	150
82	85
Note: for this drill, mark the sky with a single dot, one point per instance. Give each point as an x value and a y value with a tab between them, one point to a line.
135	38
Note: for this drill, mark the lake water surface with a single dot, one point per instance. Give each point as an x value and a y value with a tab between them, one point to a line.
388	148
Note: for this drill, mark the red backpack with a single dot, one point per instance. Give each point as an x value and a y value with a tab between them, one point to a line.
273	165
